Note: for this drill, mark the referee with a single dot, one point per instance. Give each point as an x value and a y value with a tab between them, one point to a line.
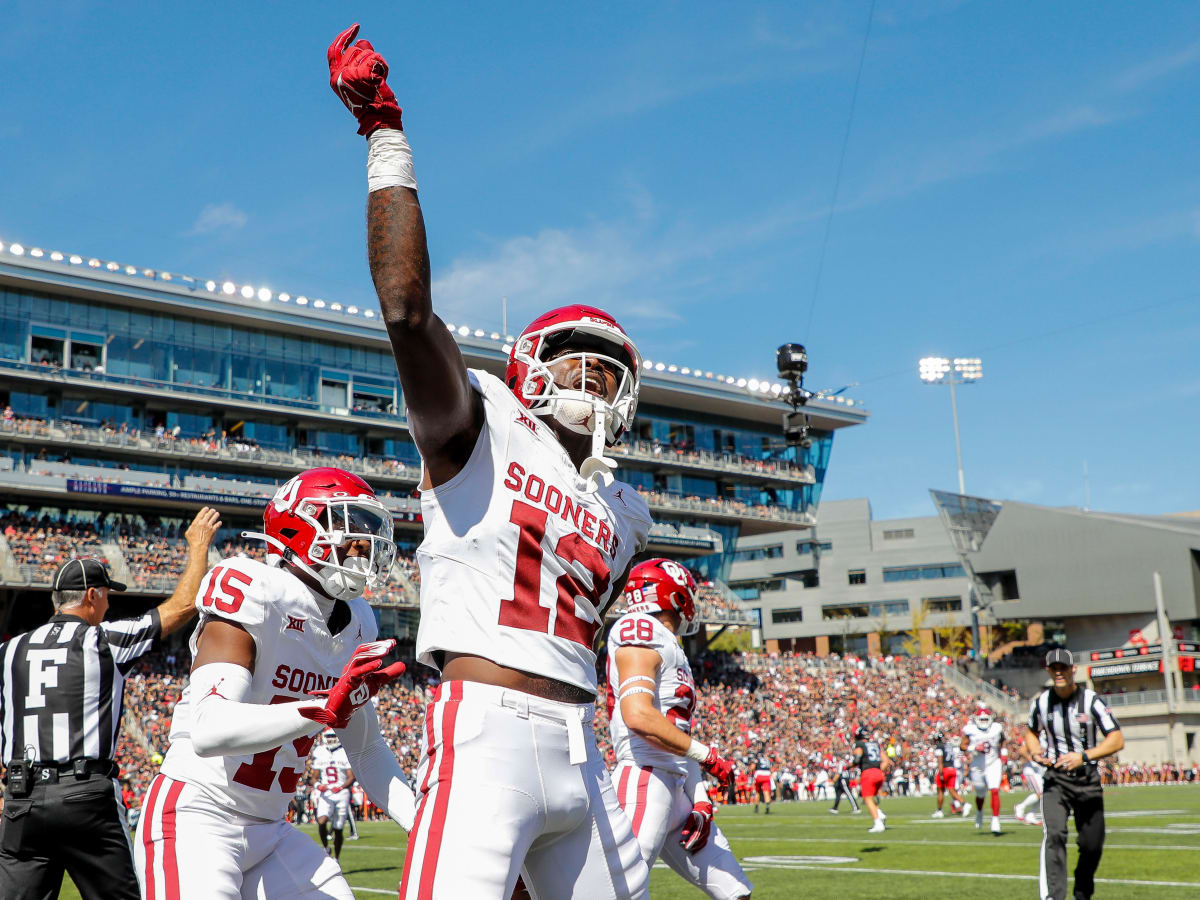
61	698
1072	719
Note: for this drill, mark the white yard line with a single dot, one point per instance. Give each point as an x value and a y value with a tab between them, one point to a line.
937	874
1024	845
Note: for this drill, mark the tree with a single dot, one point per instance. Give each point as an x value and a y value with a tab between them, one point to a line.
912	643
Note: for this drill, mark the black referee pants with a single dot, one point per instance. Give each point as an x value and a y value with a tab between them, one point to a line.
1064	795
73	826
841	788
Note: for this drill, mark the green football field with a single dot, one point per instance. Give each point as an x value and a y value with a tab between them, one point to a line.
1152	851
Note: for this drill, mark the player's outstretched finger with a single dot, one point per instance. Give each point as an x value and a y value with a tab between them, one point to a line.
341	42
365	668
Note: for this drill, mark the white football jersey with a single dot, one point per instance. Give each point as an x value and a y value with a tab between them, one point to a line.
991	738
331	767
675	691
520	556
295	655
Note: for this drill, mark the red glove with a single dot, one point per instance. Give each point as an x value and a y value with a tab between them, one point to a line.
696	827
322	787
358	76
718	767
359	682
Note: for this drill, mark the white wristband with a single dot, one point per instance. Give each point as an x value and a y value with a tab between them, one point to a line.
389	160
697	751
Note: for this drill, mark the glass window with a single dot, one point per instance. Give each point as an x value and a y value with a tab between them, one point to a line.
898	534
917	573
856	576
943	604
786	616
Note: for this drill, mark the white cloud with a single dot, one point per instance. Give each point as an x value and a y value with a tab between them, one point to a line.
217	217
1136	77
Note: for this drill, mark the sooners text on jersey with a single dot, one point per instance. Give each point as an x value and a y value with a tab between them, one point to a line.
295	655
520	556
674	689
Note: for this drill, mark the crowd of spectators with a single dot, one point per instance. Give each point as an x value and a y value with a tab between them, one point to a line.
41	543
799	710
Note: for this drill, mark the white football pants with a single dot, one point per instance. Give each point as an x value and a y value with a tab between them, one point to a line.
657	804
510	784
189	848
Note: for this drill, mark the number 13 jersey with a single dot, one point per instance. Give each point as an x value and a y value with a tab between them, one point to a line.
520	556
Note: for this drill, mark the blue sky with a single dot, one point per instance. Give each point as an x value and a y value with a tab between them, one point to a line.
1020	184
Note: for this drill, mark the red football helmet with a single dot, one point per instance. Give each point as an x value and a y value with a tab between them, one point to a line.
663	584
982	717
587	333
321	510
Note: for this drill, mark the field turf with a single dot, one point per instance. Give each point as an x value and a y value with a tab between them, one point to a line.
1152	851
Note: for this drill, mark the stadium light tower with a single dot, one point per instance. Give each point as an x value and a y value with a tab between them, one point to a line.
962	370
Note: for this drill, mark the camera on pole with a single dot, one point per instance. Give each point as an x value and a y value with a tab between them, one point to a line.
792	362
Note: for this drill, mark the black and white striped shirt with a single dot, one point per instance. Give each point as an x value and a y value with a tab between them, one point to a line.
1070	725
62	687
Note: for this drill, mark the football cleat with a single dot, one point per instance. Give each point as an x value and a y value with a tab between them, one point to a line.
938	814
995	825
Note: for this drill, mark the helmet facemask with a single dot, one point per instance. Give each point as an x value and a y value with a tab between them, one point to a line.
576	408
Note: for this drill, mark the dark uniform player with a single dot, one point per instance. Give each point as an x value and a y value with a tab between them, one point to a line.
764	782
872	765
841	785
945	776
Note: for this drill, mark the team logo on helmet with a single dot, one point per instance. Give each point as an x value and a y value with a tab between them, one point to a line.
594	339
318	513
982	717
659	585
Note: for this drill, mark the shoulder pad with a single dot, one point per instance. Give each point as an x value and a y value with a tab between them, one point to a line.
639	630
237	589
364	617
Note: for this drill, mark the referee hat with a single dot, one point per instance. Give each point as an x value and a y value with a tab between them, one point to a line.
81	574
1059	656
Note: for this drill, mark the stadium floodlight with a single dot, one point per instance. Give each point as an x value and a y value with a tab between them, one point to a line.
76	260
16	249
36	252
952	372
228	287
264	295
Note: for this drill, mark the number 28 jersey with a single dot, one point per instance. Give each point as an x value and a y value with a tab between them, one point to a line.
294	655
520	555
675	692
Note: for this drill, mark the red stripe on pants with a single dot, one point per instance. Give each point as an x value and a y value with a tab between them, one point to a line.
430	758
623	785
639	809
438	824
147	841
170	861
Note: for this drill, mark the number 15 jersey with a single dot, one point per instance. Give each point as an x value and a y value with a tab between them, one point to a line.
519	555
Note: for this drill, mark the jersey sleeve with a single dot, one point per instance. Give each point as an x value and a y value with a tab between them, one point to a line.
1034	715
1105	720
638	630
128	639
238	590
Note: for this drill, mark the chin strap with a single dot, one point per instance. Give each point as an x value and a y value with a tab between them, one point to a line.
598	469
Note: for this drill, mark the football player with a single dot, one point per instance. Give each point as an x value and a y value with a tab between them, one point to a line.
840	770
764	781
528	539
281	649
334	779
872	765
651	697
982	737
1031	774
945	776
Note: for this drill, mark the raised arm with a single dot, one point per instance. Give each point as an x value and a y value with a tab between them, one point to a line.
180	607
445	414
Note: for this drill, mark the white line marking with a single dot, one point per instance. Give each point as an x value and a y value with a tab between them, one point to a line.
761	861
1024	845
